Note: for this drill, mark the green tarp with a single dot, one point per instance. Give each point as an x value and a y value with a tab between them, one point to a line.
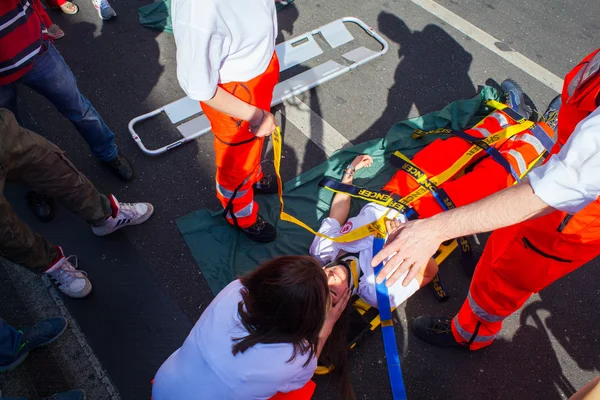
157	15
223	253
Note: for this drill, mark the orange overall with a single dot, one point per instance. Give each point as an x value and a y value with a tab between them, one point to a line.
523	259
237	151
304	393
484	176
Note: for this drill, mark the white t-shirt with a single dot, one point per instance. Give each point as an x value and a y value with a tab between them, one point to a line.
570	180
326	250
220	41
205	368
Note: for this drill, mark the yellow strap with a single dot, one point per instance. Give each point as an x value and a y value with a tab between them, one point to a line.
376	228
500	106
355	268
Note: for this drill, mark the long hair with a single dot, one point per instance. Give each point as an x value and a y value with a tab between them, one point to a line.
284	301
335	352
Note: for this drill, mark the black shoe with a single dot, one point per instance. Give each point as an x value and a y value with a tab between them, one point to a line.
515	98
436	331
267	185
122	168
40	205
550	117
76	394
261	231
39	335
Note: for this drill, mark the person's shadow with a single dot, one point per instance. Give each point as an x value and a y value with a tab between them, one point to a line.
433	70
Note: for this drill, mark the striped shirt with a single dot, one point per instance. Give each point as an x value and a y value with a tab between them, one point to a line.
21	37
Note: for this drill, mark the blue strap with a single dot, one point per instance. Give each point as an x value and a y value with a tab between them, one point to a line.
543	137
387	330
491	150
539	133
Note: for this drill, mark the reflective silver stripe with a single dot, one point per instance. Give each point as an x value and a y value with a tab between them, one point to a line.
467	336
481	313
575	82
521	165
228	193
246	211
500	118
533	141
16	17
484	132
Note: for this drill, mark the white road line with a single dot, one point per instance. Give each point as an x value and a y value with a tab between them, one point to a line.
313	126
535	70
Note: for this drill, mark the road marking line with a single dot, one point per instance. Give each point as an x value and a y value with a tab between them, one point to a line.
535	70
313	126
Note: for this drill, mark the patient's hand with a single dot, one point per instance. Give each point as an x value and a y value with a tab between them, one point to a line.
362	161
392	227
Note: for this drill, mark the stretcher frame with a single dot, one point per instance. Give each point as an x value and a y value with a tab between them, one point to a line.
291	53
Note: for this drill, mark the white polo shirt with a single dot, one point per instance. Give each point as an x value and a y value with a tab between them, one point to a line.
220	41
204	367
326	250
570	180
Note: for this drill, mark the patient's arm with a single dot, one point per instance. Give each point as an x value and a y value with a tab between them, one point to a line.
340	206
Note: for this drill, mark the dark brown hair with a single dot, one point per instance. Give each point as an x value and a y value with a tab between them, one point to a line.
335	352
284	301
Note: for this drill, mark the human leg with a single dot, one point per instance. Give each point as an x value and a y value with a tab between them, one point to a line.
238	155
52	78
16	345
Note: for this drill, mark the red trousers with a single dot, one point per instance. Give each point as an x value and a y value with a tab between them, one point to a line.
484	177
518	261
237	152
304	393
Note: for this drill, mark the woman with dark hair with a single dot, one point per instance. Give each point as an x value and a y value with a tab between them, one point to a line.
261	335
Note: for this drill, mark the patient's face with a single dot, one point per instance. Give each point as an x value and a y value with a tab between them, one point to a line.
337	280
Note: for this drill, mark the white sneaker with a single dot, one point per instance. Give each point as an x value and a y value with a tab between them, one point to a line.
124	214
105	11
68	279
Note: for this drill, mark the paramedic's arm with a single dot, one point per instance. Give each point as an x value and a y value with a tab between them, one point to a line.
569	181
200	52
340	205
261	122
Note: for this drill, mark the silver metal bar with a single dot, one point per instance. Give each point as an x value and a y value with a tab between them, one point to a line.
294	51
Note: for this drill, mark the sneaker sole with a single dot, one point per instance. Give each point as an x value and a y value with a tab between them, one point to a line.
522	105
15	363
87	289
141	220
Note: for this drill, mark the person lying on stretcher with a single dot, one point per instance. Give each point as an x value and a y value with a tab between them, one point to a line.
348	265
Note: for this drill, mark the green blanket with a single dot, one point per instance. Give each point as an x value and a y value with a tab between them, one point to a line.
223	253
157	15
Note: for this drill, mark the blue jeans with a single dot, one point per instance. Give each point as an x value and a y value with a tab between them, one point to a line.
51	77
10	342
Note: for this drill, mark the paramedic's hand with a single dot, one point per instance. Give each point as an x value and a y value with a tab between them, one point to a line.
262	123
414	244
334	312
362	161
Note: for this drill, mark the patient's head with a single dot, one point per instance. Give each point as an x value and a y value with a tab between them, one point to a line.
338	279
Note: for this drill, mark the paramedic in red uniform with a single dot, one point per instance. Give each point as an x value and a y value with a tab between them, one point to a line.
556	213
226	60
